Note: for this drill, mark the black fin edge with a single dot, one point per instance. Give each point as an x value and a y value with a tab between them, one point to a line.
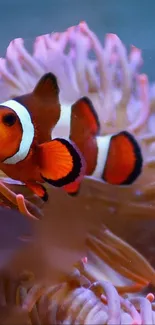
139	160
76	170
45	196
138	163
93	111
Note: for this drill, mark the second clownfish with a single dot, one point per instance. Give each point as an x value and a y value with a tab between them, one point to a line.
27	152
115	158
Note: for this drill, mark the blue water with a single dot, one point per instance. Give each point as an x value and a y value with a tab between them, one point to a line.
132	20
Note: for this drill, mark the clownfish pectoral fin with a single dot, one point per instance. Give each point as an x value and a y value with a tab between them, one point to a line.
124	160
84	111
47	87
73	188
38	189
60	162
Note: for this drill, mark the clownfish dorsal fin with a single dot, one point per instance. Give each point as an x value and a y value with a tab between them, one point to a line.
47	87
85	118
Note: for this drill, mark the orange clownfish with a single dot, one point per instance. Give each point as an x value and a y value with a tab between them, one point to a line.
27	152
116	159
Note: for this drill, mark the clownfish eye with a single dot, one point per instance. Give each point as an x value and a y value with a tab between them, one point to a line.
9	119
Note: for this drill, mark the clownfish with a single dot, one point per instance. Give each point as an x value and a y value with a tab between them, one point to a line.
115	158
27	152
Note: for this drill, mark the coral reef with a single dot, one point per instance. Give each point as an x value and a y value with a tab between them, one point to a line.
123	99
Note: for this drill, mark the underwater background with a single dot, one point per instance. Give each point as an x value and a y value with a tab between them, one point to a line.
116	285
133	21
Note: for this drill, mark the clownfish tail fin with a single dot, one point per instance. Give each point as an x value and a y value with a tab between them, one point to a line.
61	162
123	160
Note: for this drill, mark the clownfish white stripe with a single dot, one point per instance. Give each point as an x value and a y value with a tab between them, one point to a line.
103	143
62	128
28	131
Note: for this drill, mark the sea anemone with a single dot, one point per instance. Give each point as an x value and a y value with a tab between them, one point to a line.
123	99
80	298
